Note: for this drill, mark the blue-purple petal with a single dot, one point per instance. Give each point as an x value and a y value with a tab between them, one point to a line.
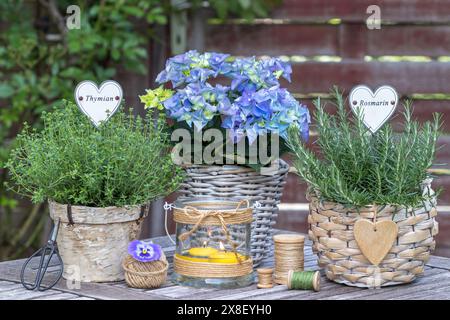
144	251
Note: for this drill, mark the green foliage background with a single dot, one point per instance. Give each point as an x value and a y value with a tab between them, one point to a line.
40	63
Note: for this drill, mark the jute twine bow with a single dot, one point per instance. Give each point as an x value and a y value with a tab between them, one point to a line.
221	216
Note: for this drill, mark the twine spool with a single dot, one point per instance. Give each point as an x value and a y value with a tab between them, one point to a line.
288	255
265	280
303	280
145	275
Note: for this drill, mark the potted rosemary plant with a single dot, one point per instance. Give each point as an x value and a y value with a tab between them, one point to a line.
97	182
372	209
232	117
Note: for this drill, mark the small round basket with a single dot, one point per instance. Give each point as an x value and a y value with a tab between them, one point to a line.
145	275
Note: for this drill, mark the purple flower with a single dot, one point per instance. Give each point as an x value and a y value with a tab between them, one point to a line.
196	104
199	75
144	251
218	62
278	68
191	67
271	109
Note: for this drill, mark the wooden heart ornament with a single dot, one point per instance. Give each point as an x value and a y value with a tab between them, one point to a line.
98	104
376	108
375	239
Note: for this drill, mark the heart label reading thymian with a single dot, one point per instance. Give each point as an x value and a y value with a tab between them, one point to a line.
98	103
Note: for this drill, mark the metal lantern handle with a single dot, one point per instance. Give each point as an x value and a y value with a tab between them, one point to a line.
167	207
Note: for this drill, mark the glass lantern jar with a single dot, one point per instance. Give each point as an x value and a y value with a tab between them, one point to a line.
213	243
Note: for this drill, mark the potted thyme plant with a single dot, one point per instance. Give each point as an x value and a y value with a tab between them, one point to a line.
97	182
377	180
236	116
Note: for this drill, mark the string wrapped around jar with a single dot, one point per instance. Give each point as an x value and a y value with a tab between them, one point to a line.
288	255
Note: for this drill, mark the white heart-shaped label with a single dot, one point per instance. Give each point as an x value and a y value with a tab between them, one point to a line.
99	104
376	108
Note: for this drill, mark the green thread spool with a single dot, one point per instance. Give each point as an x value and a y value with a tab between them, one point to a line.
303	280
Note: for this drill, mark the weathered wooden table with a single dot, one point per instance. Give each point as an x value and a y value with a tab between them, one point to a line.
435	284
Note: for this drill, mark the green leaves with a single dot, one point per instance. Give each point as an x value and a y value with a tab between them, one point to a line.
6	90
360	168
247	9
124	162
245	3
156	15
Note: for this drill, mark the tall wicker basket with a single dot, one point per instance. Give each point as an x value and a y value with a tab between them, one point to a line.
239	182
331	230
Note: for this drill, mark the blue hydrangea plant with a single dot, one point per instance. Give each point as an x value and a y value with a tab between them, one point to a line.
251	102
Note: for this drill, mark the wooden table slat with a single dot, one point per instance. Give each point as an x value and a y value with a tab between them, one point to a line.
435	284
24	294
58	296
432	276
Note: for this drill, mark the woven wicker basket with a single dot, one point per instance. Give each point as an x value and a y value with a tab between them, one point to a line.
331	230
239	182
145	275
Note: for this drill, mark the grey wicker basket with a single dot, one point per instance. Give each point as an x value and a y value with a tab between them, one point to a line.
239	182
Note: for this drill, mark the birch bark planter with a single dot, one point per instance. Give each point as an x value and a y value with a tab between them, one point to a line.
331	229
94	246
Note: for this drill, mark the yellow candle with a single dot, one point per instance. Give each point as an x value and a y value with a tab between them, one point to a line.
226	257
202	251
198	254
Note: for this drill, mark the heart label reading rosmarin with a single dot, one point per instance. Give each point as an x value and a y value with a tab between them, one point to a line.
98	103
375	239
376	108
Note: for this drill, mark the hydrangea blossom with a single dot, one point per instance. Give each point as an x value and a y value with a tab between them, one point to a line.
192	67
144	251
267	110
249	74
252	104
196	104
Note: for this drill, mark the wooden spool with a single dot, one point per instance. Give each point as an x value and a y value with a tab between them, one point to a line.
288	255
316	280
265	278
